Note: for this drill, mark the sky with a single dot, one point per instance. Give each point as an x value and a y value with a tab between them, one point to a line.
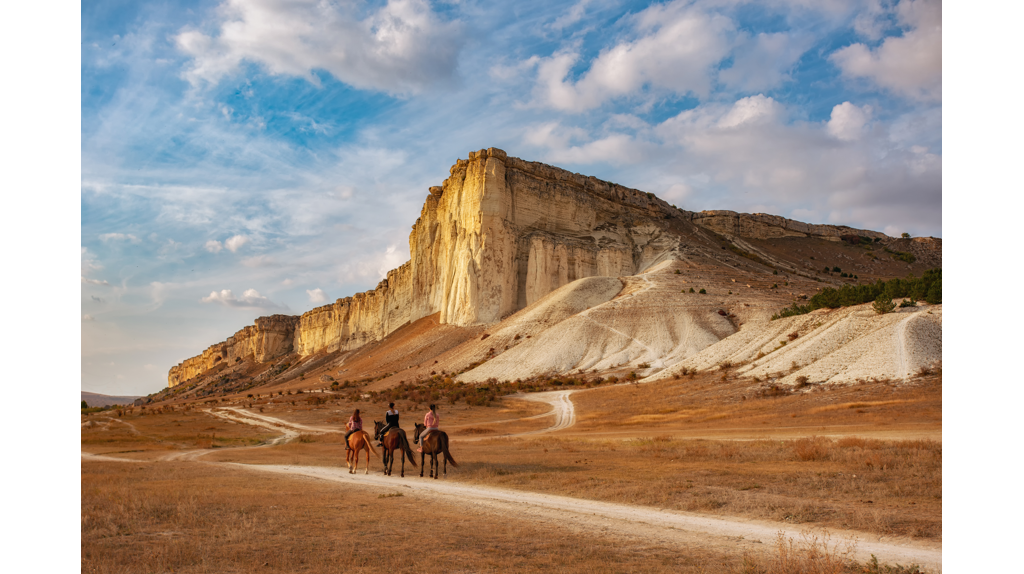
245	158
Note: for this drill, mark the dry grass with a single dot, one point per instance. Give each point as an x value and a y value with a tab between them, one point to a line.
189	517
883	487
705	405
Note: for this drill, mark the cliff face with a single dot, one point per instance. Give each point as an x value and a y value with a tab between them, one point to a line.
764	226
268	339
499	234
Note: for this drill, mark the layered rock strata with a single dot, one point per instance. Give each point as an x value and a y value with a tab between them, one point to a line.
497	235
764	226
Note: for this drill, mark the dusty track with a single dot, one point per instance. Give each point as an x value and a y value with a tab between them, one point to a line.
634	522
624	521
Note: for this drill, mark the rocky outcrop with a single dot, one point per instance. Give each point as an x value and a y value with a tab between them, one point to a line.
269	338
764	226
497	235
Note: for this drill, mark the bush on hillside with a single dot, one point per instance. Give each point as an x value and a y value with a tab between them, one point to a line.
928	287
883	305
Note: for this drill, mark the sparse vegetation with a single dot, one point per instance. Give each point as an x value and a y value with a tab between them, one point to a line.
702	291
928	287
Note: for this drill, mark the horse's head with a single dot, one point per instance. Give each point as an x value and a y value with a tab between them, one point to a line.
419	429
377	425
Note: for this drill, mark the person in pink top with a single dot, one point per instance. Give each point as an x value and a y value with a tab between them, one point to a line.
355	422
431	421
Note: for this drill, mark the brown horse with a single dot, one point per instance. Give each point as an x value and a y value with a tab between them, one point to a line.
393	440
435	443
357	441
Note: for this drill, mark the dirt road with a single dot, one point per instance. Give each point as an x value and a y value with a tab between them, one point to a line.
622	520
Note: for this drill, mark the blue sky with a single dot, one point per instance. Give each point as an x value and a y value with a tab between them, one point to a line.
246	158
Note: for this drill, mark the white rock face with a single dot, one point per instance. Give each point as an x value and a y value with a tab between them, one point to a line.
498	234
831	346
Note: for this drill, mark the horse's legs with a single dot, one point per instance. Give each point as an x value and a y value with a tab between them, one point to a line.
367	459
423	456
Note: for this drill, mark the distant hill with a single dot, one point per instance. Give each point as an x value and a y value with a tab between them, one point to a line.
98	400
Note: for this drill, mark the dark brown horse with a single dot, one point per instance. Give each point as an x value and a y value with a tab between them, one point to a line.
435	443
393	440
357	441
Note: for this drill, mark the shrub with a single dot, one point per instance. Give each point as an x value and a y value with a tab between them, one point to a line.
908	303
677	272
802	382
837	270
702	291
812	448
905	235
691	289
883	304
85	405
644	365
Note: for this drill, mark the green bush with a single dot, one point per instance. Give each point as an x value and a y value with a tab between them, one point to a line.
85	405
928	287
691	289
883	304
702	291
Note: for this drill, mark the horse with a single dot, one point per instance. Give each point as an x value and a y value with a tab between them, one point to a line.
357	441
435	443
393	440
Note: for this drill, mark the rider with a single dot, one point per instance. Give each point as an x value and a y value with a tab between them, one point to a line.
390	422
355	423
431	421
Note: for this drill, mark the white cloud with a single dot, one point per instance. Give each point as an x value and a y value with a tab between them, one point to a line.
316	295
250	299
213	246
677	47
911	64
235	243
119	237
95	281
848	121
763	62
752	110
575	14
391	260
402	47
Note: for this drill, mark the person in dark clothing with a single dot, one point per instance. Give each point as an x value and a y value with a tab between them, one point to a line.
390	422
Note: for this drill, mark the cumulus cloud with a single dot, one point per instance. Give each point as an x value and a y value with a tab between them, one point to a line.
403	47
909	65
250	299
763	61
848	121
214	246
119	237
235	243
676	48
316	295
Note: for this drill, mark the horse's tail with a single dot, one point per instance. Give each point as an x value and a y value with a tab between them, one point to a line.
408	450
369	443
444	449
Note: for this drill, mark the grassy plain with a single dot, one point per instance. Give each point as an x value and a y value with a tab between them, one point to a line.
864	457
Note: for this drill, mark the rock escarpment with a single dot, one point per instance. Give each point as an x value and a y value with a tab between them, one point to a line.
269	338
764	226
497	235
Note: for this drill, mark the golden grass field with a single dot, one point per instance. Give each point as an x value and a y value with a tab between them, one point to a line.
864	457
